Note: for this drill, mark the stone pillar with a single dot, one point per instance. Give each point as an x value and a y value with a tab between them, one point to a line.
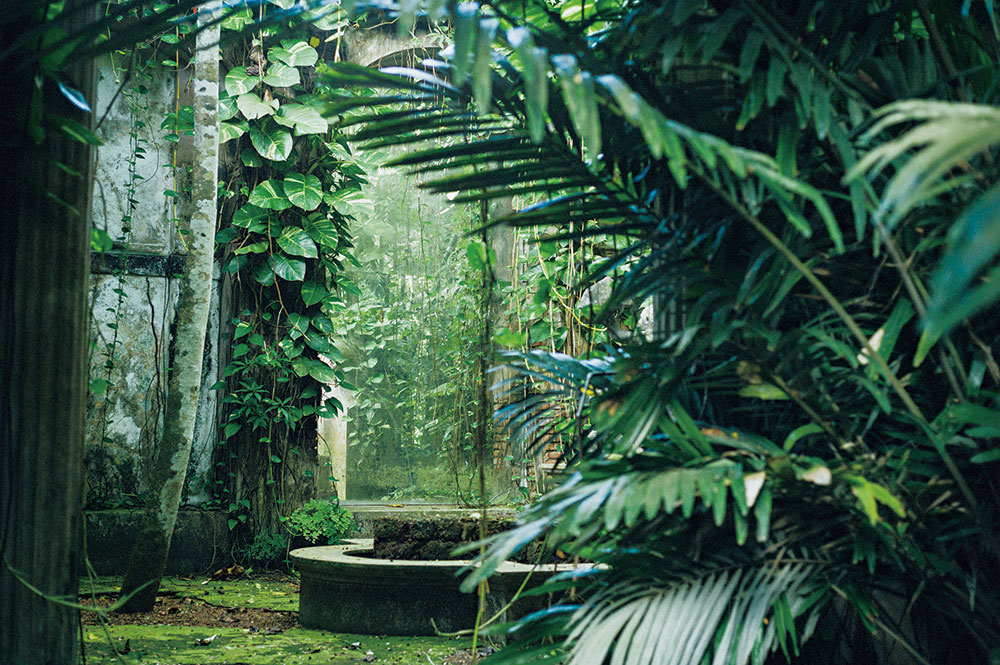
332	444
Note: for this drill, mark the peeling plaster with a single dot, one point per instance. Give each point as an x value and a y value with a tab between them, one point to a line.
120	454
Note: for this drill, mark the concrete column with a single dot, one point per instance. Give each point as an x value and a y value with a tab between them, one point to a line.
332	444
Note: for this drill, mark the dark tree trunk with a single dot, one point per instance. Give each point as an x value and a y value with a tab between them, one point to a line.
44	263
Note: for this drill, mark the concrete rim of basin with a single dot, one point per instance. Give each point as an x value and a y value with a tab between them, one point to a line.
353	559
344	589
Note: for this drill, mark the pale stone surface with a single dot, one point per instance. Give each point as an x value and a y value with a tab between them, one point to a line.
345	589
149	218
200	468
332	443
123	424
126	423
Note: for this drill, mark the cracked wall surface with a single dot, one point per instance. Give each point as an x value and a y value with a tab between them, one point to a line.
134	291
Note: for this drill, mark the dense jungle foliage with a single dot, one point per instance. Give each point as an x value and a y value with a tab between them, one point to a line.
799	461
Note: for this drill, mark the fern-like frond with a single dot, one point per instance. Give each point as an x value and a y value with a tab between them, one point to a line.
930	160
676	624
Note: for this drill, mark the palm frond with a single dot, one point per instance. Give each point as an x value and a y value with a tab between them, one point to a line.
643	624
947	138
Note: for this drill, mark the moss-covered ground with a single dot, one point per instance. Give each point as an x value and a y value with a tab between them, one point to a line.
158	641
177	645
272	593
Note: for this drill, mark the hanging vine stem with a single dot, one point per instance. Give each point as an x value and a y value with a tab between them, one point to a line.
917	298
111	348
160	390
486	339
173	161
573	316
852	325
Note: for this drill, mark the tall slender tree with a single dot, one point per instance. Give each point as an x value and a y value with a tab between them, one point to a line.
149	555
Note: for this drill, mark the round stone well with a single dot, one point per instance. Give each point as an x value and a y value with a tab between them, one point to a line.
345	589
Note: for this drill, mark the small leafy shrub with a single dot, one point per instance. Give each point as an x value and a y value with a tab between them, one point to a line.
322	522
267	547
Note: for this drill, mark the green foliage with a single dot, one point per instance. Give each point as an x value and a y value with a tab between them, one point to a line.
285	244
322	522
268	547
409	338
804	442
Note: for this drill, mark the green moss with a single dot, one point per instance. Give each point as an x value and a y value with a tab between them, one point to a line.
237	593
150	645
174	644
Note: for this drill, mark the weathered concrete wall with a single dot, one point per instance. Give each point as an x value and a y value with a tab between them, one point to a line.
382	48
200	542
134	290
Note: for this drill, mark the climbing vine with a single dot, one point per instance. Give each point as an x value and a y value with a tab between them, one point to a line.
284	240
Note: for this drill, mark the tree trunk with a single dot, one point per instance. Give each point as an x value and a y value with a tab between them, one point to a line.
149	556
44	263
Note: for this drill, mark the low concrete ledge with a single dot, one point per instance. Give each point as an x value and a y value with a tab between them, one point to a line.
344	589
200	542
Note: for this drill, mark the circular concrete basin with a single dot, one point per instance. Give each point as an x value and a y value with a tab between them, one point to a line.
344	589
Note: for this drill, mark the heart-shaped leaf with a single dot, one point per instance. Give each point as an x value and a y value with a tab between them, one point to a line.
253	248
235	264
232	130
272	142
318	343
305	119
226	235
238	82
476	255
227	107
292	350
322	372
299	365
292	270
321	230
350	201
247	215
250	158
297	242
323	323
304	191
252	107
237	19
299	323
312	293
264	274
270	194
294	54
281	75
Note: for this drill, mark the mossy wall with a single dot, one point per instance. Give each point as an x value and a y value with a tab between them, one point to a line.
200	542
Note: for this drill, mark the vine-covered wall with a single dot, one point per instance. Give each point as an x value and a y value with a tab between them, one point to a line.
140	198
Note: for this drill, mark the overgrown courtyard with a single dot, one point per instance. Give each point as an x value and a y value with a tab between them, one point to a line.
677	318
243	621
